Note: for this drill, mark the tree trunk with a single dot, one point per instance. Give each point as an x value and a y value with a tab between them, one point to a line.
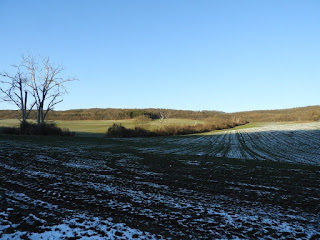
24	110
42	116
38	116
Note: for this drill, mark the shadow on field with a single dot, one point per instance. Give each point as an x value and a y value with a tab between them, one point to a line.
86	134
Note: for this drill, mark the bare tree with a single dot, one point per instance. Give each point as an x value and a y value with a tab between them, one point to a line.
197	117
46	83
164	115
15	91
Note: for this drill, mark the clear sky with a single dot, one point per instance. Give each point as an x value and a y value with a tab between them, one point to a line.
199	55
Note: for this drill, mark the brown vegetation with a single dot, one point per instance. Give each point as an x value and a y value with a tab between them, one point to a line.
113	114
117	130
45	129
310	113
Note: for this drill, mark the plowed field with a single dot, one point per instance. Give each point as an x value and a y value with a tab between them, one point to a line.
253	183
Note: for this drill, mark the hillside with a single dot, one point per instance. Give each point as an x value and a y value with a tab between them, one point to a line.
115	114
310	113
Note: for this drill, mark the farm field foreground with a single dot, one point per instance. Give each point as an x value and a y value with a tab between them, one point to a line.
245	183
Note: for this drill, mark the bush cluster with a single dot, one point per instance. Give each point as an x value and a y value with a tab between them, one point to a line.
35	129
9	130
119	131
43	129
181	130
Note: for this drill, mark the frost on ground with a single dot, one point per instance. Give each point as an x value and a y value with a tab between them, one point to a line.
79	227
295	143
198	187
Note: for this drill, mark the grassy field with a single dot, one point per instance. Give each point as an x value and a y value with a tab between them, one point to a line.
101	126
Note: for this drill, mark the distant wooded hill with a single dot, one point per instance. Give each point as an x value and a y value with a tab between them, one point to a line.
115	114
310	113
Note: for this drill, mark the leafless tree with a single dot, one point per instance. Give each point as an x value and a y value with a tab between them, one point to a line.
46	83
164	115
14	90
197	117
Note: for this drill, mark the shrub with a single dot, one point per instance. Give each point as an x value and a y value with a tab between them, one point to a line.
43	129
117	130
182	130
67	132
9	130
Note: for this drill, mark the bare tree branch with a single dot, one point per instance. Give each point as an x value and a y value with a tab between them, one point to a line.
46	83
14	90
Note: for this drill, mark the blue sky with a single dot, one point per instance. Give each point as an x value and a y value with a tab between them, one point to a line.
199	55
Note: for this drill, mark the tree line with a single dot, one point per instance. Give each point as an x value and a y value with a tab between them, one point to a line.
310	113
116	114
